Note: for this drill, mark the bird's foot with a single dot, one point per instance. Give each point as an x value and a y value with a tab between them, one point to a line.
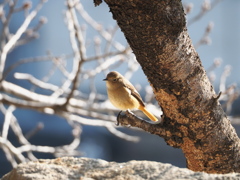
117	124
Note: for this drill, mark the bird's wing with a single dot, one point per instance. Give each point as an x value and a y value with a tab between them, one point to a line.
134	93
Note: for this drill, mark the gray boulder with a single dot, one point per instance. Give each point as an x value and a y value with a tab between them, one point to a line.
69	168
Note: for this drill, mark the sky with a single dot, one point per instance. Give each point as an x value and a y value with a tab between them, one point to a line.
224	38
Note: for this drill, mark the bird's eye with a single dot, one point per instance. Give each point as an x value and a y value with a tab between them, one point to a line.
114	80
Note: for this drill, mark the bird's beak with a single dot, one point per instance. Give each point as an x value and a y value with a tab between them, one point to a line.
105	79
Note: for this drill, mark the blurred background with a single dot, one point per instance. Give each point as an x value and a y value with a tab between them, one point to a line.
214	31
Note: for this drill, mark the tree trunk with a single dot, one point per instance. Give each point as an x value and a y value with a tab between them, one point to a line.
193	118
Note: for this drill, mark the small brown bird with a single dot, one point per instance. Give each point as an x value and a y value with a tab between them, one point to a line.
123	94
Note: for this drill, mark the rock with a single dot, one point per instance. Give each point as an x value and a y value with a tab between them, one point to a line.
96	169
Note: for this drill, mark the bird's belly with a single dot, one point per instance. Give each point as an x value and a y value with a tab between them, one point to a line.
123	100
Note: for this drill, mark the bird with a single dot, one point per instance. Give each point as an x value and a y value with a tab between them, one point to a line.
124	96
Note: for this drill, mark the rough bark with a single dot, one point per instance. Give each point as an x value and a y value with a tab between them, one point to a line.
97	169
193	118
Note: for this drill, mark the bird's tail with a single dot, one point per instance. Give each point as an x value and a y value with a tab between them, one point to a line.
147	113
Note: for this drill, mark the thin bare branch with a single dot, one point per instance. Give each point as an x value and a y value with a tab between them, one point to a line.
106	35
12	149
80	53
7	121
206	7
12	41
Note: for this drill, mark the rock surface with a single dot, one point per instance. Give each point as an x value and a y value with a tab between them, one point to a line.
95	169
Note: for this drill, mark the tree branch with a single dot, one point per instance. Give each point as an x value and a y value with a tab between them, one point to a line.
193	119
12	41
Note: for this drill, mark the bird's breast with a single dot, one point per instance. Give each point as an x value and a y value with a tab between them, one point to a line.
122	99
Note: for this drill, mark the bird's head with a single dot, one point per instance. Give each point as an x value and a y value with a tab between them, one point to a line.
113	80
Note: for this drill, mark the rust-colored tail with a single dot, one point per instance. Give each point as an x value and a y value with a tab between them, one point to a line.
147	113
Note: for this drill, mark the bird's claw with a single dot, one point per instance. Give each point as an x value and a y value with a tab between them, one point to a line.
117	124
